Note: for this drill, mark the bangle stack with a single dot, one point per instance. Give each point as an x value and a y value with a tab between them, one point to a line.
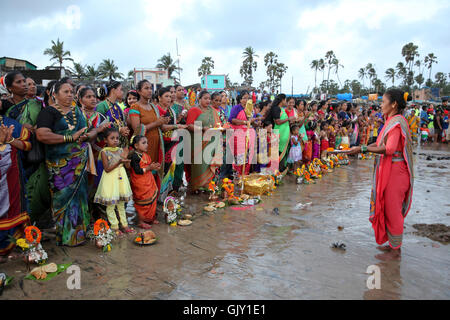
363	149
68	138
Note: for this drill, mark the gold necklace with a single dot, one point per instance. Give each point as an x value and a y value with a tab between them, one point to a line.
74	117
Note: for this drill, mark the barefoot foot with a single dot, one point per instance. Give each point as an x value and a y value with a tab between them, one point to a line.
144	226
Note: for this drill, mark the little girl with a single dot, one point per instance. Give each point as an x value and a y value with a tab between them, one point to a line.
324	145
145	191
345	143
114	188
295	154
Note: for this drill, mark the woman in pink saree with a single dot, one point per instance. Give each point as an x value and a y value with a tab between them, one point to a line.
393	175
244	136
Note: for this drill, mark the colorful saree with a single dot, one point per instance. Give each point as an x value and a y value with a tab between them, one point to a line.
116	116
67	167
25	112
202	174
285	136
242	141
413	122
13	204
154	136
386	177
144	188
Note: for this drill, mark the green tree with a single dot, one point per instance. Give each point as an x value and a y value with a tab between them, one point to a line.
371	73
430	59
78	71
108	69
315	65
281	69
167	63
390	75
336	65
92	74
356	86
206	67
409	52
401	72
270	61
419	79
249	65
57	52
329	57
441	79
362	75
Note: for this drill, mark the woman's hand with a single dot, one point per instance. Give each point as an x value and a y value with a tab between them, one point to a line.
125	161
154	166
124	131
78	134
103	127
3	134
182	126
354	150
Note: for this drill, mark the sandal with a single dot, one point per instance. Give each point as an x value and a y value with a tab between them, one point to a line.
118	233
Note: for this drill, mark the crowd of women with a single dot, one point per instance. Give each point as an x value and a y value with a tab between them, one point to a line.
83	152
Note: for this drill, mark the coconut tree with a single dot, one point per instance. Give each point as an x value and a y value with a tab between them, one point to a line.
57	52
441	79
109	70
249	65
371	73
362	75
430	59
419	79
329	57
409	52
390	75
401	71
206	67
167	63
336	66
315	65
92	74
78	71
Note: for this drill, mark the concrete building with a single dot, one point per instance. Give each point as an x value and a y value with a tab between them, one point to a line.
213	82
157	77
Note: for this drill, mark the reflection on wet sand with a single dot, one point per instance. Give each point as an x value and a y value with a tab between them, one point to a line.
256	254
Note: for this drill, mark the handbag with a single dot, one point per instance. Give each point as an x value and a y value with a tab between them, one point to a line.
37	152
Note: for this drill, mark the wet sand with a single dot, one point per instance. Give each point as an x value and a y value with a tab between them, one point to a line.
255	254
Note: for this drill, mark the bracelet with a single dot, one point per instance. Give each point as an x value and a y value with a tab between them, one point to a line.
363	149
11	141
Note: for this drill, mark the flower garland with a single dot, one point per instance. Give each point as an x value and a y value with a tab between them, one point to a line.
103	235
31	245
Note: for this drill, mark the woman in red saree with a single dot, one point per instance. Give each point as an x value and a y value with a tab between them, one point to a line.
393	176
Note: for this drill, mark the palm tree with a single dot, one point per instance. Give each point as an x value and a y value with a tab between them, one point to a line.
429	60
206	67
249	64
92	74
419	79
322	68
409	52
56	52
336	66
166	62
329	57
441	79
401	71
362	75
371	73
78	71
390	75
109	70
315	65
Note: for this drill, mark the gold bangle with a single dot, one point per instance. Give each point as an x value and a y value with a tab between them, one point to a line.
64	139
11	141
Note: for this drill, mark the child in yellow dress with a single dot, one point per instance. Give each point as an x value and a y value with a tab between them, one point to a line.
114	189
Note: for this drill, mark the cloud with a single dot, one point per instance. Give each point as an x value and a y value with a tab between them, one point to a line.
137	33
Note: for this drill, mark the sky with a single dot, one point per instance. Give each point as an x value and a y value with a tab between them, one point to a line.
136	33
